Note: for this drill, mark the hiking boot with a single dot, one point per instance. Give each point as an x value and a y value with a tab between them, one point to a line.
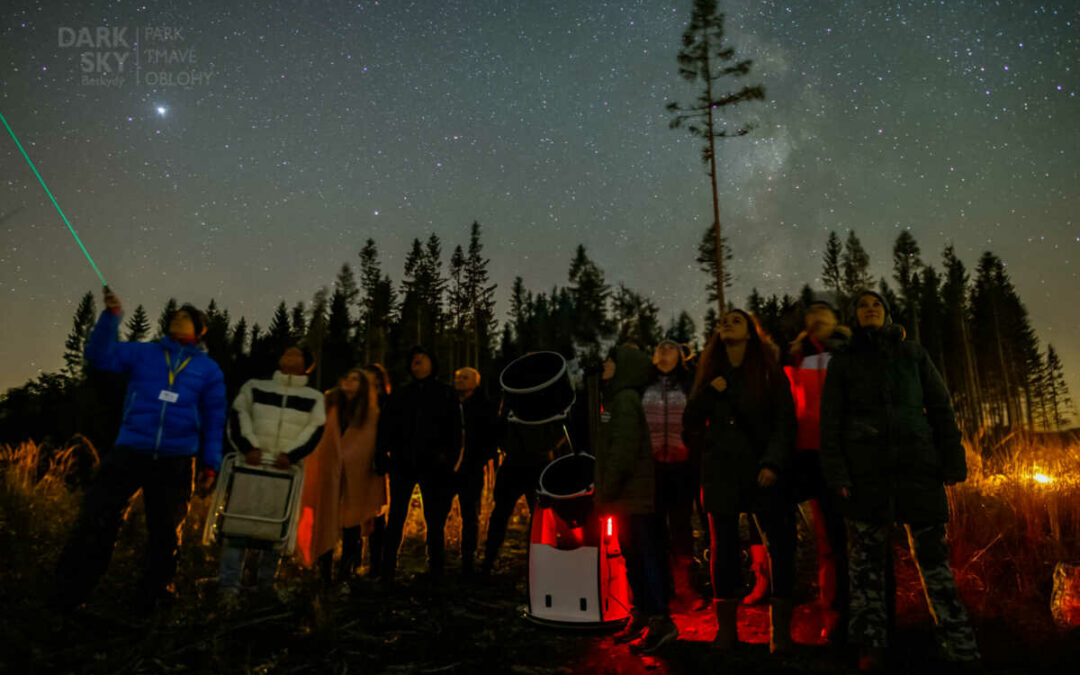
634	627
662	630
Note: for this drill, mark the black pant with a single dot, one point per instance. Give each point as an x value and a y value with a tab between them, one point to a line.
724	557
469	485
436	489
515	478
675	488
351	553
166	484
641	543
810	484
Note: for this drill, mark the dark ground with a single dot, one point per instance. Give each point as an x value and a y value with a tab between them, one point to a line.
460	626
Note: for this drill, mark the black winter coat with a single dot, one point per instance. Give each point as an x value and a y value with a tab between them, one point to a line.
738	437
887	431
420	427
481	431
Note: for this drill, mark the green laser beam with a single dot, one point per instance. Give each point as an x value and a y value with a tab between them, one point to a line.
57	205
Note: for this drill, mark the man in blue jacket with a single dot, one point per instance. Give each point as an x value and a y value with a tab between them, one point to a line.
174	416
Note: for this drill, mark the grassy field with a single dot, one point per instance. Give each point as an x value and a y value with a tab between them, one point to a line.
1012	521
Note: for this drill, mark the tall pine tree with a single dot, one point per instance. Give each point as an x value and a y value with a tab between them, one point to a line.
138	326
590	293
906	267
854	267
831	276
480	323
166	315
706	59
378	306
81	325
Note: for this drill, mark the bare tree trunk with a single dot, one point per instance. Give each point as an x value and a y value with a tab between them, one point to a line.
712	179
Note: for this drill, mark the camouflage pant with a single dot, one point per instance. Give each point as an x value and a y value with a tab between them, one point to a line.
868	549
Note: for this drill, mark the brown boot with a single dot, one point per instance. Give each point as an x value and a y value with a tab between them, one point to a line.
727	626
780	611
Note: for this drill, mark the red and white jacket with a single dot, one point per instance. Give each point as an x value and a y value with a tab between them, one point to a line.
806	372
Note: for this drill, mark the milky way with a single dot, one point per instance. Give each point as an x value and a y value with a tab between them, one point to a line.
254	146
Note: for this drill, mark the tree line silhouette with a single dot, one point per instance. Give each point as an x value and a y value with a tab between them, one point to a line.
975	328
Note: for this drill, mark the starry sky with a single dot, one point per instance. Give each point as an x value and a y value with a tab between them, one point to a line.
307	127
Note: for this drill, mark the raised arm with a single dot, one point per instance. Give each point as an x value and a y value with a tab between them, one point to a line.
104	351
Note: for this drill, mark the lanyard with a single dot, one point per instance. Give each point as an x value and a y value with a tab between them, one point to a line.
174	373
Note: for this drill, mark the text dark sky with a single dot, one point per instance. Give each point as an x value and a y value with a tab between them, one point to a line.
322	124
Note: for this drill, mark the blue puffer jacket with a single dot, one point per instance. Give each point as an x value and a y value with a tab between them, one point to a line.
196	420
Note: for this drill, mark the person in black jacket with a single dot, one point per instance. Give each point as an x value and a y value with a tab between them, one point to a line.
889	445
741	414
527	449
479	445
420	432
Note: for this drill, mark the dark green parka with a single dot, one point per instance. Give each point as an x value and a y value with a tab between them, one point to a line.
739	436
625	476
887	431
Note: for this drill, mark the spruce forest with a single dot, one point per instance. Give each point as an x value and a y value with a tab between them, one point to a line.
971	320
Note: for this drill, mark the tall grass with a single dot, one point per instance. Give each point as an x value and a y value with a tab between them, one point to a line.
1016	516
36	489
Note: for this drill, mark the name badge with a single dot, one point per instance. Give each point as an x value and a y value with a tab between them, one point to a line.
168	396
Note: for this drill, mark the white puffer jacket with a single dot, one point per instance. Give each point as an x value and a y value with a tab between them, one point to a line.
279	415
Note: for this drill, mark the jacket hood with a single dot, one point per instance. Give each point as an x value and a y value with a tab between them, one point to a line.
632	370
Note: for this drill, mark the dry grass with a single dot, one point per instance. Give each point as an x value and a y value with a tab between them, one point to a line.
36	497
1013	519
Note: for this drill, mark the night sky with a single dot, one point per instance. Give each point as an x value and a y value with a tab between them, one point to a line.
322	124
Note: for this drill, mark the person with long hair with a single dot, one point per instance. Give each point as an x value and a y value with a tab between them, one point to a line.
741	412
889	446
376	538
342	495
